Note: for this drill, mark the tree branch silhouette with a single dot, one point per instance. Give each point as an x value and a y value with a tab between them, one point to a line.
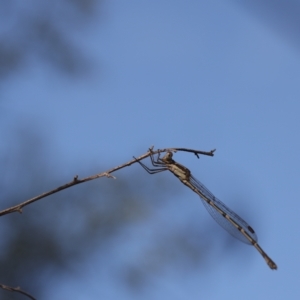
75	181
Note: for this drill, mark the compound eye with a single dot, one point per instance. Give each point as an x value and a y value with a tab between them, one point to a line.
170	154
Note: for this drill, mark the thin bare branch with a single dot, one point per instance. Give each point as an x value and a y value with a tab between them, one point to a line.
197	152
17	289
76	180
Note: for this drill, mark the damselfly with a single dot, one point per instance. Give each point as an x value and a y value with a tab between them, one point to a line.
229	220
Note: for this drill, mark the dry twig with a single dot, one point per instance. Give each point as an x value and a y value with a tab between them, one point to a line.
17	289
19	207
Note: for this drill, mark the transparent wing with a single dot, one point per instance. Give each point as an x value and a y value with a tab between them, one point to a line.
205	194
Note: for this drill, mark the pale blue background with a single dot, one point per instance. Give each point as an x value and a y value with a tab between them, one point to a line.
198	74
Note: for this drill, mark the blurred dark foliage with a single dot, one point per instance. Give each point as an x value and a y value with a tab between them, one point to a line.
42	31
56	231
281	16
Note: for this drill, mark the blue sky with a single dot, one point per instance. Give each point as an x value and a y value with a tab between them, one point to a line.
201	75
